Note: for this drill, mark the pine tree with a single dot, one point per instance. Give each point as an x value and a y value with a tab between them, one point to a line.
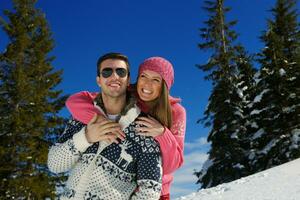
29	103
246	89
228	66
276	108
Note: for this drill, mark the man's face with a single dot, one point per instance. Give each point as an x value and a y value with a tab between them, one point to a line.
114	85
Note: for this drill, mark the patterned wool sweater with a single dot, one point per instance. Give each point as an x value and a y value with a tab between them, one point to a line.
171	142
128	170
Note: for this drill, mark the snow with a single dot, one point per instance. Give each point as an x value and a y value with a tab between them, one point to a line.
256	112
269	146
258	134
239	166
292	95
292	79
227	101
259	97
223	128
254	125
234	135
289	109
256	77
245	88
282	72
238	113
278	183
240	93
295	139
240	83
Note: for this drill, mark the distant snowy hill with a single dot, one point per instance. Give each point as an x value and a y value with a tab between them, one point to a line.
278	183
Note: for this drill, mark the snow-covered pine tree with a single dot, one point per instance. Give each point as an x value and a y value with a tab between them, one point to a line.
246	89
276	108
29	103
229	68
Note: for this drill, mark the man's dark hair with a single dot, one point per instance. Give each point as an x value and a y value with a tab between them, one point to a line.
116	56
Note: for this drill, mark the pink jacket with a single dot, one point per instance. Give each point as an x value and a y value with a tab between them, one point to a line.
171	141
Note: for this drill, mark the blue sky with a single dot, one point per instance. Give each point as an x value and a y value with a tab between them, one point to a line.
84	30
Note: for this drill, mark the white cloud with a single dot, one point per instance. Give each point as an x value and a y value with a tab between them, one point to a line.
181	190
193	161
184	179
199	143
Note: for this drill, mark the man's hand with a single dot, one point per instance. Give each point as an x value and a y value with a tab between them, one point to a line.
100	129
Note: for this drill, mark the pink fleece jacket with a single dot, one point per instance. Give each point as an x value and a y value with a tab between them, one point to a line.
171	141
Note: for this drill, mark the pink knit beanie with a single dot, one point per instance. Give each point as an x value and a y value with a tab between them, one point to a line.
161	66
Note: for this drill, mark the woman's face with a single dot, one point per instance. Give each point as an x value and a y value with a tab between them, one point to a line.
149	85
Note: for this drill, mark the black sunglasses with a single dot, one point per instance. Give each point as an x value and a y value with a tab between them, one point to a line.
107	72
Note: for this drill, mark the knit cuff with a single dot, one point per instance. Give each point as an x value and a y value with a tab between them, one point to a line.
162	138
80	140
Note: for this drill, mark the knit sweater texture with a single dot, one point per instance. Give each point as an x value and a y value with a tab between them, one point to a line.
171	141
128	170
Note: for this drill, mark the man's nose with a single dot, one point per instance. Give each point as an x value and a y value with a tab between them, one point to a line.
115	75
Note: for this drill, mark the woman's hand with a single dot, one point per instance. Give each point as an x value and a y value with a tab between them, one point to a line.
149	127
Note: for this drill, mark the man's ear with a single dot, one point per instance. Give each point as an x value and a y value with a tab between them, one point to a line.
98	81
128	81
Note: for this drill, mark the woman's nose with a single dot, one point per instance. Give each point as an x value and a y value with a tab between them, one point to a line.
148	83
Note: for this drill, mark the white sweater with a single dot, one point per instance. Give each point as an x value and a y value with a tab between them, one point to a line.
128	170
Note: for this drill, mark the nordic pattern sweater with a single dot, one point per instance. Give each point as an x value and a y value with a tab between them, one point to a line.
128	170
171	141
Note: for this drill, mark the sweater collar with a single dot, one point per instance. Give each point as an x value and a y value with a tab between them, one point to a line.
128	113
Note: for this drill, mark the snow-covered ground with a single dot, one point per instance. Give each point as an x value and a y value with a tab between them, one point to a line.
278	183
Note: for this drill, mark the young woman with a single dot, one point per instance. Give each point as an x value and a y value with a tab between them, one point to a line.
166	120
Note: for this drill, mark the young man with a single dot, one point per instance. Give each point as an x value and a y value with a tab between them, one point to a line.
103	162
